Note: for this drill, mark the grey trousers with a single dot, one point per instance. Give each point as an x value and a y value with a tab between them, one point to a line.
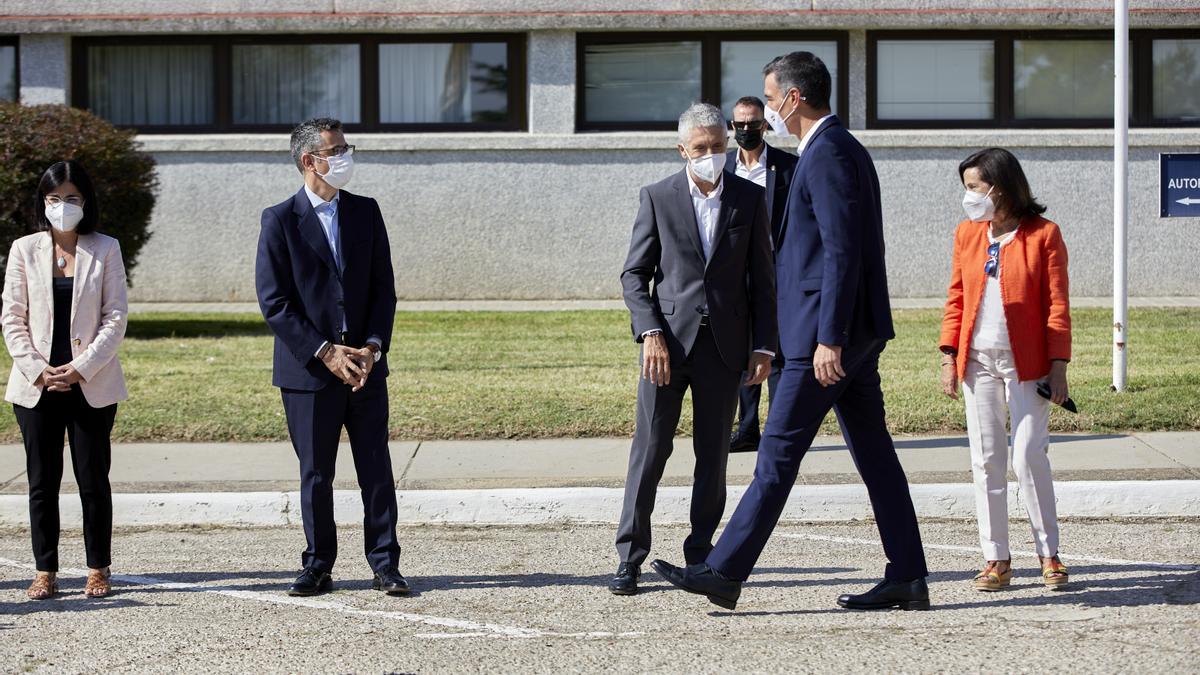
714	400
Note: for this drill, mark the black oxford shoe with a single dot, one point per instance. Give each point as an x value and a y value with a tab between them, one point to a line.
390	581
740	443
701	580
887	594
311	582
626	580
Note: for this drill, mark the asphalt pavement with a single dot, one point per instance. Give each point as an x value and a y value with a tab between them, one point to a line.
532	599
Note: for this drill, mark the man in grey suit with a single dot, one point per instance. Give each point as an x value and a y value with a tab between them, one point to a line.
700	286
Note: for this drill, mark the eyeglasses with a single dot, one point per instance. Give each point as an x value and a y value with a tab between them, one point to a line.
752	124
55	200
335	151
993	262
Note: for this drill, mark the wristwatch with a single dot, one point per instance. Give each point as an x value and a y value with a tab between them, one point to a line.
376	352
324	350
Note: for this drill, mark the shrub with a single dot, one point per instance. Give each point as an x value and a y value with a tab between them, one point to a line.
34	137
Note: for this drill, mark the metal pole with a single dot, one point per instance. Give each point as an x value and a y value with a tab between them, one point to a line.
1120	194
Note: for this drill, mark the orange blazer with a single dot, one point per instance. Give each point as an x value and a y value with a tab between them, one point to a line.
1033	285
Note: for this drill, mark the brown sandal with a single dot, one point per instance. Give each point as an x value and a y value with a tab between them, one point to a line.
44	586
1054	573
98	583
992	578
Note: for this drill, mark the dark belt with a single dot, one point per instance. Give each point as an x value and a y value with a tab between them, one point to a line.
341	339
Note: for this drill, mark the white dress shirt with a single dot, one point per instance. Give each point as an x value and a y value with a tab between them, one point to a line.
708	209
756	174
812	130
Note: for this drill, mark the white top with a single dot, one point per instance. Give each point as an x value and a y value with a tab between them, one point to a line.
812	130
991	328
756	174
707	208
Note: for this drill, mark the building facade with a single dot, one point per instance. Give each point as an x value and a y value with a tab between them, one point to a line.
506	140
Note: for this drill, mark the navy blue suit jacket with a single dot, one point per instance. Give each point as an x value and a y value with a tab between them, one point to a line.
304	297
832	281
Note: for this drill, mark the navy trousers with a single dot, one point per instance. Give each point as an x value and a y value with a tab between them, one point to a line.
800	405
315	420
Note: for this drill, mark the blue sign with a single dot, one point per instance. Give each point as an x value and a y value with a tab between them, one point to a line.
1179	185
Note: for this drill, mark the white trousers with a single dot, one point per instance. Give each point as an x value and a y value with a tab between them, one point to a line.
989	382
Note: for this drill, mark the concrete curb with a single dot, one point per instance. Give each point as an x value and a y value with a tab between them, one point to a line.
1166	498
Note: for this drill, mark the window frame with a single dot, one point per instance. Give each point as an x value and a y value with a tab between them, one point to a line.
1004	95
710	72
14	41
1142	58
368	53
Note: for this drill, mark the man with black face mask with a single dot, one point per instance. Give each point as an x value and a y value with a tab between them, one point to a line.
770	168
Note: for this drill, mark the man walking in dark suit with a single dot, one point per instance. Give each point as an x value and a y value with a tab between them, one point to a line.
770	168
835	320
325	286
700	287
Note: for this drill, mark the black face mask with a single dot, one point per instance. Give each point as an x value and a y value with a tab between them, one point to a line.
748	139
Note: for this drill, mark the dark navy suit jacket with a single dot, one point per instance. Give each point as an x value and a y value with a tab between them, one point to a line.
305	298
781	165
832	281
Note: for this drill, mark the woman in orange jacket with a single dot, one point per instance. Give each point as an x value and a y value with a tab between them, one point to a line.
1007	327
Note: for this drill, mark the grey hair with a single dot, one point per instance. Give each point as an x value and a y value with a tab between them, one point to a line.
700	115
306	137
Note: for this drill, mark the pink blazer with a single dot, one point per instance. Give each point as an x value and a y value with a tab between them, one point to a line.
99	312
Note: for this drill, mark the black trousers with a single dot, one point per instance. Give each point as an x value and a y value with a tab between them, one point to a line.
714	396
748	400
315	420
88	430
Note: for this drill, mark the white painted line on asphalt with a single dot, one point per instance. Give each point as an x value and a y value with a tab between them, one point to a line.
975	550
477	629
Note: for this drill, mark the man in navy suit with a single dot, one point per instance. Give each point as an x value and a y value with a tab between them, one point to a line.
770	168
324	279
834	320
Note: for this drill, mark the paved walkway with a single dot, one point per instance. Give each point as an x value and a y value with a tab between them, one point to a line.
558	463
564	305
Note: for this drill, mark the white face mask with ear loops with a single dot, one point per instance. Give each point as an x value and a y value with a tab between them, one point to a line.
979	207
63	216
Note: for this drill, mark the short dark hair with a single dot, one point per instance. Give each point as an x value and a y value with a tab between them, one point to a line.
306	137
751	101
803	71
68	172
1000	169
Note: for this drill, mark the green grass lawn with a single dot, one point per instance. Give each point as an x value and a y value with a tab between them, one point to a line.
572	374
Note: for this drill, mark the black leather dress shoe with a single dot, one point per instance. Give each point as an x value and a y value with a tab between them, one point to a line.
887	594
311	582
390	581
625	583
740	443
701	580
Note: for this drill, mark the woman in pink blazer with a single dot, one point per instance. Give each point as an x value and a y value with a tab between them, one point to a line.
64	318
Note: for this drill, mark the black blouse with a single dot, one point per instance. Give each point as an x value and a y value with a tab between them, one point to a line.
60	345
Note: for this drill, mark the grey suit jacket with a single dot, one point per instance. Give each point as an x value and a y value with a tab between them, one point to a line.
667	281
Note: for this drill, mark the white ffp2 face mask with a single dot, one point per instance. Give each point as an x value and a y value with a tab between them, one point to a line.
341	170
64	216
979	207
778	123
709	167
